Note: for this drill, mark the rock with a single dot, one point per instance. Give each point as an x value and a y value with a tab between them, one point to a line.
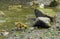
31	28
4	33
39	13
53	3
43	22
44	19
41	6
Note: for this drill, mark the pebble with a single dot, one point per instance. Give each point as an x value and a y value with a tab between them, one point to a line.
41	6
4	33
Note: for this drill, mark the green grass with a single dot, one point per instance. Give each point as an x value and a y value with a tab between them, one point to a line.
20	14
13	16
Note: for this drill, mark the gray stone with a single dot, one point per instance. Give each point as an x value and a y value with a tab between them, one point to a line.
39	13
43	22
44	19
